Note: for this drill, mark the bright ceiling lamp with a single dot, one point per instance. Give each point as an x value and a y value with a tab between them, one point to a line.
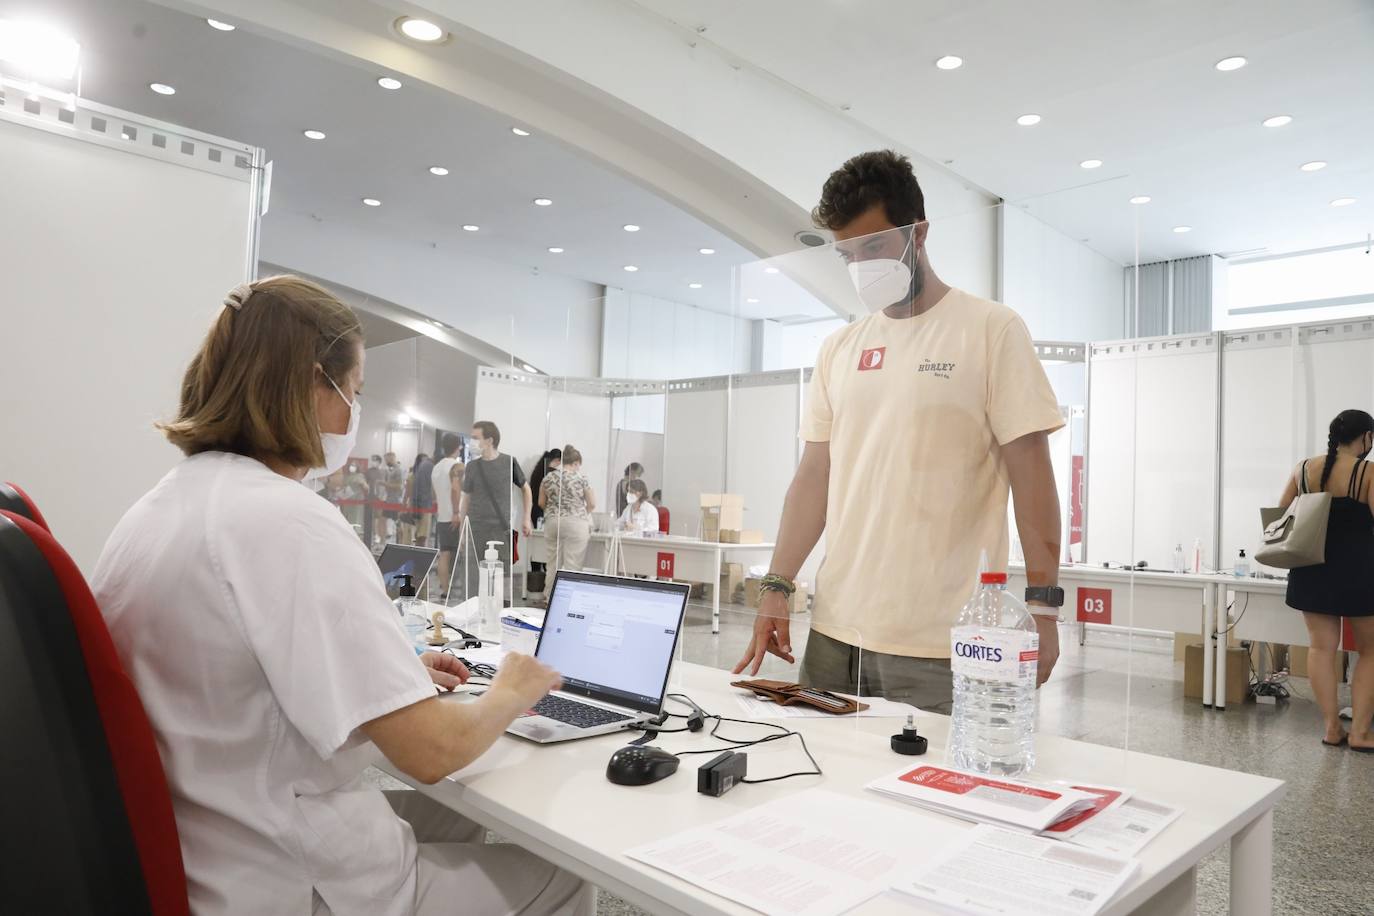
388	82
707	250
543	202
694	286
313	134
1277	121
1090	164
630	268
555	250
1182	229
38	51
1028	120
220	26
1227	64
949	62
371	202
1140	199
438	170
162	89
1313	166
420	30
1342	201
519	131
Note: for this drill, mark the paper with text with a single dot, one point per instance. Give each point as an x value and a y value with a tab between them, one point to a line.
1126	829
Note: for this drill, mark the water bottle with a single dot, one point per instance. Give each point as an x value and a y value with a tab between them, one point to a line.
1242	565
1180	564
491	581
994	655
411	612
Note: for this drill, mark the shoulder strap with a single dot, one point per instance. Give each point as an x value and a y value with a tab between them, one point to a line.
1357	485
1302	478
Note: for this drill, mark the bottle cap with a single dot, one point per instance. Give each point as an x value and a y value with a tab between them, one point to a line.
993	578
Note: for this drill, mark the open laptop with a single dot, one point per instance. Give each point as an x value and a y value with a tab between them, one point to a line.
613	641
403	559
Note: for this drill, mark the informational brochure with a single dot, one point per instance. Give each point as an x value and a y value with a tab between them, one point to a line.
987	799
1105	799
1126	828
815	853
996	872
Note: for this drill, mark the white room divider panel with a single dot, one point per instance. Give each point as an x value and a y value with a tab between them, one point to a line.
762	445
1110	505
580	415
120	237
693	448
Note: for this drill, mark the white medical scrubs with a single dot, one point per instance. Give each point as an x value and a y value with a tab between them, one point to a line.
255	627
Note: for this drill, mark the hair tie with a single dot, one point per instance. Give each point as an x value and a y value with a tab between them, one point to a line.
238	296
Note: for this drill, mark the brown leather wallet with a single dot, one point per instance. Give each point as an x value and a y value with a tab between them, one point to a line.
787	694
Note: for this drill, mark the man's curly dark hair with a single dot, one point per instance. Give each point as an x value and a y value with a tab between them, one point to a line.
880	177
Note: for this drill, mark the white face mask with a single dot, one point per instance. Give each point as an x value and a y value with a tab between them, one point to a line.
631	498
881	282
338	446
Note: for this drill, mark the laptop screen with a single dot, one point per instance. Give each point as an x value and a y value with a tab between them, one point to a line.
613	639
400	559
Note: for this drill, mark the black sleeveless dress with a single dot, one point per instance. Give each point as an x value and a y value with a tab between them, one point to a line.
1343	586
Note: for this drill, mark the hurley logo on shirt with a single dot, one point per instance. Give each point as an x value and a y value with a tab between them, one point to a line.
872	359
940	370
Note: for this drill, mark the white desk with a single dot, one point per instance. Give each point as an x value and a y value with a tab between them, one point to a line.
555	801
687	559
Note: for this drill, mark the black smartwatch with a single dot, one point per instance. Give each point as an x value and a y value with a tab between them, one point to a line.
1051	595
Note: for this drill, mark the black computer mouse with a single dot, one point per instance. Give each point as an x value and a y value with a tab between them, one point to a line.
639	765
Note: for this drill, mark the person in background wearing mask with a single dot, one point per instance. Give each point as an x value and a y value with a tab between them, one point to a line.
447	525
633	471
394	482
486	502
1342	585
640	515
920	416
275	669
567	497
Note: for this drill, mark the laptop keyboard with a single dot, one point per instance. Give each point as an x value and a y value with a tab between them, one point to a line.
578	715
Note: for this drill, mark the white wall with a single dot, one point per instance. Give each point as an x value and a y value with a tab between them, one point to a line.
556	320
1062	288
115	265
791	346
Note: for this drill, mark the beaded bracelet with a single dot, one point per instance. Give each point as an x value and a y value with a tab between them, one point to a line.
775	583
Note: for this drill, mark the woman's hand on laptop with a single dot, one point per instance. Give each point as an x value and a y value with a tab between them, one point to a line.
445	670
525	680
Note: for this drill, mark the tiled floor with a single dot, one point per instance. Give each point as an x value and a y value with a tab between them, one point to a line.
1122	691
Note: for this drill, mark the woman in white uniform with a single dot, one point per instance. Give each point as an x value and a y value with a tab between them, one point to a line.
255	626
640	515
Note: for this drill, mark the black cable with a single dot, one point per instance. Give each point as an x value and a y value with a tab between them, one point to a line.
1245	607
734	743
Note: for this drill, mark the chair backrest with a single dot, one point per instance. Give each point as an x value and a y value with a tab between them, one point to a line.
663	519
99	834
13	499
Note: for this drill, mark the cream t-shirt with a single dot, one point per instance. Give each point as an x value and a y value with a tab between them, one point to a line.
916	411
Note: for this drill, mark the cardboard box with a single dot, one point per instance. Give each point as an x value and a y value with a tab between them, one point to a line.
725	510
1298	663
751	592
1237	674
731	580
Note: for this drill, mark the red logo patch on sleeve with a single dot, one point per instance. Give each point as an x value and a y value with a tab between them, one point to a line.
872	359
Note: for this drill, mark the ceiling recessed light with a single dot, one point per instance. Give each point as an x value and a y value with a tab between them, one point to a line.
1140	199
313	134
1028	120
389	82
438	170
1090	164
1316	166
555	251
949	62
221	26
519	131
436	322
694	286
630	268
162	89
752	301
630	227
419	29
471	228
706	250
372	201
1342	201
1230	63
1182	229
770	270
542	202
1277	121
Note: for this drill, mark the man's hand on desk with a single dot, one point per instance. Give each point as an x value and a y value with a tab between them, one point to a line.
1049	641
445	670
772	633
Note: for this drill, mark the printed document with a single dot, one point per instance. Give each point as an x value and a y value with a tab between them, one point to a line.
989	799
1127	828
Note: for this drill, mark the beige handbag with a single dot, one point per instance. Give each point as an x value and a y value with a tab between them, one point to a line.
1297	537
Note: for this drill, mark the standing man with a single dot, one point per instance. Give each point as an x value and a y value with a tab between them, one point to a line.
394	481
920	417
486	502
447	525
422	496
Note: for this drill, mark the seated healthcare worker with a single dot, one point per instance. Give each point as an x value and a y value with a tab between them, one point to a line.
254	624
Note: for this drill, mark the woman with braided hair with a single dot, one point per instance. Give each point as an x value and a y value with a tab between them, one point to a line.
1343	585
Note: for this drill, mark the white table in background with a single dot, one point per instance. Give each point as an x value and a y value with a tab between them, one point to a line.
693	560
555	801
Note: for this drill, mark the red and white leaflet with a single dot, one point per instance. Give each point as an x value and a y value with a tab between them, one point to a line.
1105	799
983	798
1126	828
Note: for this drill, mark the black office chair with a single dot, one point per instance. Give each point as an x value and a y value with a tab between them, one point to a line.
69	846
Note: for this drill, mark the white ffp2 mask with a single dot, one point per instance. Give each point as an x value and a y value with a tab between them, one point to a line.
338	446
881	282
